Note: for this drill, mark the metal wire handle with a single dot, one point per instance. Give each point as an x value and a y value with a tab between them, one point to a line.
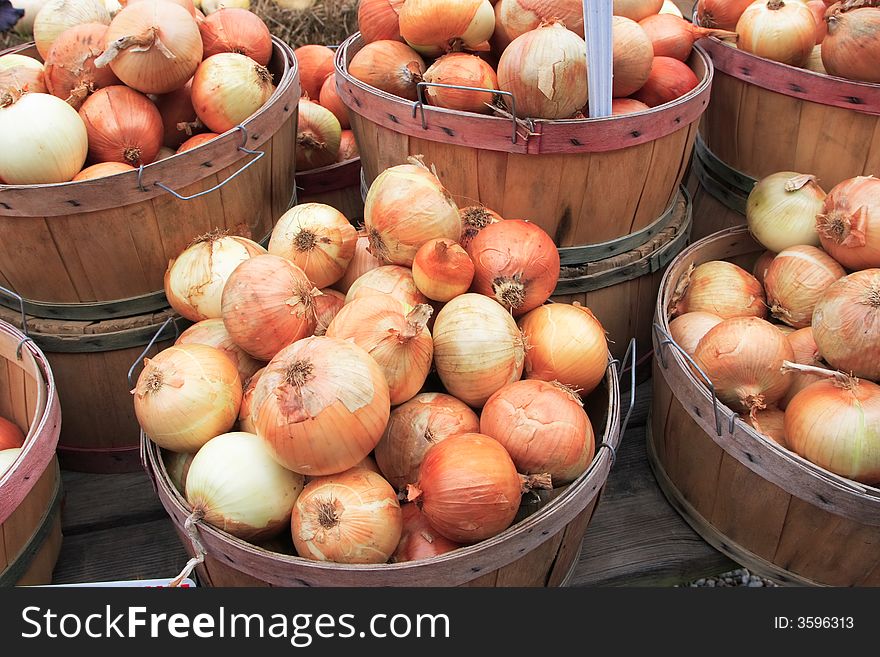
629	356
420	103
149	346
24	326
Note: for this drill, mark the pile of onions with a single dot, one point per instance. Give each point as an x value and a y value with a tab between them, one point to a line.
846	324
852	47
464	70
56	16
392	280
213	333
71	73
390	66
321	405
419	540
806	352
674	37
330	99
194	280
122	126
721	288
433	27
11	436
762	264
327	306
478	348
771	423
19	73
849	223
379	20
566	343
669	79
234	484
236	30
522	70
781	30
781	210
416	426
516	17
268	303
442	269
516	263
688	329
101	170
637	9
315	63
351	517
475	218
633	56
8	457
179	117
544	428
723	14
469	488
361	262
318	239
186	395
228	88
407	206
318	136
796	280
394	335
743	358
245	418
49	143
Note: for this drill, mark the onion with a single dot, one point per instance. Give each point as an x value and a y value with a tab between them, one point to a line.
674	37
414	427
14	60
805	353
669	7
210	6
781	30
818	8
566	343
633	56
186	395
849	223
419	540
478	348
850	50
318	136
236	485
102	169
387	280
153	46
330	99
267	304
70	64
836	425
236	30
194	280
516	263
442	269
546	70
49	143
25	24
361	262
543	427
56	16
723	14
781	210
164	153
179	118
322	405
814	61
433	27
720	288
229	88
688	329
245	417
327	306
796	280
123	126
516	17
348	148
846	324
315	64
759	271
669	79
389	66
196	140
352	517
10	435
743	358
20	78
177	466
637	9
8	457
405	207
469	488
379	20
769	422
213	333
475	218
463	70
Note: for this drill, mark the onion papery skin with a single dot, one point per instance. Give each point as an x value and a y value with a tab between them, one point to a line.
433	27
196	140
245	417
837	427
721	288
743	358
806	352
322	405
228	88
390	66
395	335
330	99
21	78
516	17
236	30
796	280
633	56
70	64
566	343
267	304
637	9
688	329
846	324
177	466
327	306
516	263
672	36
762	264
781	30
669	80
770	422
315	64
414	427
348	148
213	333
234	481
102	169
59	15
406	207
442	270
179	118
123	126
478	348
475	218
11	436
850	49
186	395
379	20
318	239
721	14
393	280
465	70
419	540
361	262
781	210
849	224
352	517
318	136
543	427
194	280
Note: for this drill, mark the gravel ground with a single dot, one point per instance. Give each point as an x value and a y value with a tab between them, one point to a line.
741	577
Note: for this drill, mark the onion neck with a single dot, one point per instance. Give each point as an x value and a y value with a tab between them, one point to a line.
572	393
305	240
414	494
509	291
211	237
872	298
299	373
377	245
189	127
535	481
329	515
416	321
775	5
132	155
309	141
147	39
842	379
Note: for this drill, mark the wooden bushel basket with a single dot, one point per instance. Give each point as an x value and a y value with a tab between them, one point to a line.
337	185
757	502
30	491
98	249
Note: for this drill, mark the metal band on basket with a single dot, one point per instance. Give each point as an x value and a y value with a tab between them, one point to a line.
724	183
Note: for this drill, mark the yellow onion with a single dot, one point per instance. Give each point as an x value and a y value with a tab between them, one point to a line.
442	269
14	60
245	418
633	56
236	30
720	288
637	9
814	61
759	271
351	517
407	206
361	262
10	434
123	126
321	405
318	136
56	16
478	348
164	153
475	218
177	466
390	66
49	143
419	540
70	65
806	352
179	118
102	169
379	19
464	70
235	485
433	27
186	395
516	17
851	50
330	99
228	88
796	280
22	74
8	457
722	14
414	427
781	210
849	223
348	148
395	335
327	306
781	30
688	329
672	36
213	333
194	280
315	64
769	422
546	71
391	280
566	343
